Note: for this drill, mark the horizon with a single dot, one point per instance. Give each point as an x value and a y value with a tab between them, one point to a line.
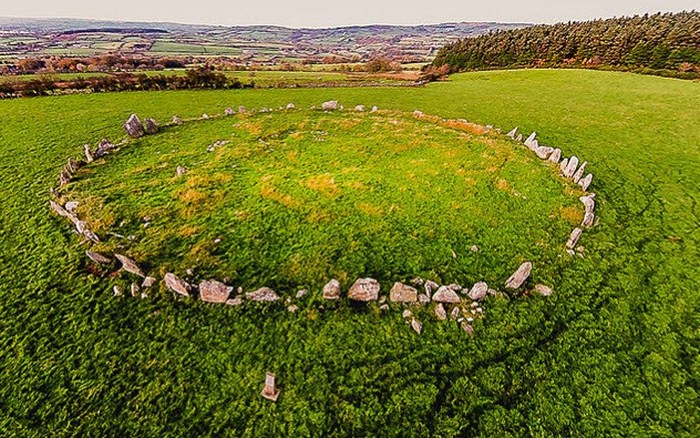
315	14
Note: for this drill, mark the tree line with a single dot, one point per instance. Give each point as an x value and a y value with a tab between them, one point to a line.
663	43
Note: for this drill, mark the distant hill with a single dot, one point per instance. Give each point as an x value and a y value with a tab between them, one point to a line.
667	41
76	37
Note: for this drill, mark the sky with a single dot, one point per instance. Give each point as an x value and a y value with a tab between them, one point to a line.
328	13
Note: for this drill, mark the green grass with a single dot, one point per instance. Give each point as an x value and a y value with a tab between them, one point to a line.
330	196
613	352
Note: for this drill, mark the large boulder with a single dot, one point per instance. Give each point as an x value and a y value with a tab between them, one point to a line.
401	293
364	289
446	295
212	291
134	127
519	276
331	291
479	291
177	285
129	265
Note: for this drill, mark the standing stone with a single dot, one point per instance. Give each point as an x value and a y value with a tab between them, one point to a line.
133	127
264	294
455	313
424	299
291	106
129	265
446	295
430	286
360	108
556	156
571	167
530	139
440	312
479	291
364	289
177	120
212	291
241	109
89	158
512	133
180	171
586	182
588	219
579	173
543	290
177	285
401	293
229	111
98	258
416	326
573	238
563	164
519	276
519	138
331	105
331	291
71	206
150	126
374	109
588	203
58	209
118	291
64	178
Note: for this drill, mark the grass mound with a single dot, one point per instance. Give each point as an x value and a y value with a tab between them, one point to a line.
292	199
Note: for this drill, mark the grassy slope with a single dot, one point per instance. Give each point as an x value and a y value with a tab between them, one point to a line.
615	351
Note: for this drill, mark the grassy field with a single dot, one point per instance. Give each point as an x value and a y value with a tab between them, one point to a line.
330	196
614	352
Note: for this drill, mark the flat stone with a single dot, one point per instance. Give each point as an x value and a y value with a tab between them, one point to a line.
148	282
264	294
416	326
177	285
212	291
98	258
519	276
134	127
446	295
543	290
586	182
555	156
544	152
301	293
292	308
418	113
364	289
474	248
479	291
468	329
424	299
237	301
401	293
59	210
129	265
407	313
331	291
573	238
180	171
384	307
440	312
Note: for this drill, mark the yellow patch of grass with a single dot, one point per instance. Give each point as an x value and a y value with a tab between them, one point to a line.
356	185
502	184
317	216
188	230
369	209
324	183
571	214
191	196
267	191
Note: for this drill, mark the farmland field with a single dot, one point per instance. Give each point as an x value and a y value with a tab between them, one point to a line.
615	350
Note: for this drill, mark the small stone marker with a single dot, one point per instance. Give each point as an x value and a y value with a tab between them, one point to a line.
180	171
416	326
467	328
270	391
331	291
519	276
588	219
519	138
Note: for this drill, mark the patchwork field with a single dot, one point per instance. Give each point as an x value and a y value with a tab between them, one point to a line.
613	352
